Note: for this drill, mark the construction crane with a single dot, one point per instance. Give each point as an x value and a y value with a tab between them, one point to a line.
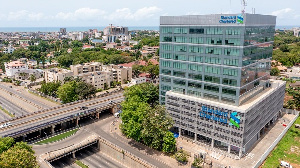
244	4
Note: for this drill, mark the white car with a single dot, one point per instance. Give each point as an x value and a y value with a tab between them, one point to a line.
285	164
5	125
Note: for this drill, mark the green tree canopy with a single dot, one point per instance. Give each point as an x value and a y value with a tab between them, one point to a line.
67	92
274	72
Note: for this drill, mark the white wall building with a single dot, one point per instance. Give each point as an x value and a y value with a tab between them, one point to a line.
9	50
15	66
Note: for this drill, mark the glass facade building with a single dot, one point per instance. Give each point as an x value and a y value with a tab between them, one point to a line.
216	57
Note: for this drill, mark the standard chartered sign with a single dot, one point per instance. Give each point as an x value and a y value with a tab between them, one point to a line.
232	19
220	116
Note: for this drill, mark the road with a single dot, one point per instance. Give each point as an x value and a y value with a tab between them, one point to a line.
95	159
34	101
11	107
56	115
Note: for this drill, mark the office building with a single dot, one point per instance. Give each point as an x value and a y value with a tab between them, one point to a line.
214	78
113	33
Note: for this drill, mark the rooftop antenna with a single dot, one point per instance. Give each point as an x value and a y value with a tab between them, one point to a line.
244	4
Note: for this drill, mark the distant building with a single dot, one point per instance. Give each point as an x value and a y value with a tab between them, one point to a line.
85	68
146	50
13	67
120	73
98	79
112	33
296	31
56	74
87	47
9	50
138	81
77	36
63	31
25	74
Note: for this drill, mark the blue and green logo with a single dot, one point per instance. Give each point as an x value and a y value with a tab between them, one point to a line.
234	119
240	19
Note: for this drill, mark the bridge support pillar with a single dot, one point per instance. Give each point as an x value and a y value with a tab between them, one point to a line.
40	132
24	138
77	120
52	129
73	155
113	110
98	145
97	115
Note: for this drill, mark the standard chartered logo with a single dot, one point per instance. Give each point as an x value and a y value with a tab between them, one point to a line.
240	19
234	119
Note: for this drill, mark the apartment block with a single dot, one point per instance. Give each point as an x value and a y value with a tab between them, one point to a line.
98	78
57	74
85	68
120	73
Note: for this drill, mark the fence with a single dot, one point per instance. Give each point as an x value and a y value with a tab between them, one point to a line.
266	154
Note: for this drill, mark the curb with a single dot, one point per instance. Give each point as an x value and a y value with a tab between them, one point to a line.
55	136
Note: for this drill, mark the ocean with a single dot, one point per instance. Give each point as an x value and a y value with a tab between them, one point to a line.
69	29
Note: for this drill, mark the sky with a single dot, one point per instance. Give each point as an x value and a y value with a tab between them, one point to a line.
82	13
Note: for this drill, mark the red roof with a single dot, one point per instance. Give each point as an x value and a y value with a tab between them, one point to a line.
144	63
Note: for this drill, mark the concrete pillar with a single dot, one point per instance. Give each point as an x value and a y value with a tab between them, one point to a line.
229	148
40	132
179	131
23	138
113	110
98	145
77	120
195	137
212	143
52	129
240	152
73	155
97	115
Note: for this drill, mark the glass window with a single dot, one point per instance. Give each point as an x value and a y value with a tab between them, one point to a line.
194	85
166	30
195	49
194	67
179	82
166	47
166	72
180	30
232	51
179	39
211	79
179	90
179	74
212	50
166	79
233	31
179	65
165	87
194	93
214	70
167	39
212	60
214	30
234	42
195	76
194	58
214	41
166	55
211	88
166	64
230	82
180	57
229	91
196	30
197	40
180	48
231	62
230	72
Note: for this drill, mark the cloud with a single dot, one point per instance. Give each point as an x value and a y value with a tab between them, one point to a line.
284	13
23	15
127	14
81	14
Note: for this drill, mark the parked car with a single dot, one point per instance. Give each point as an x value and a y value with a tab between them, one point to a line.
83	108
285	164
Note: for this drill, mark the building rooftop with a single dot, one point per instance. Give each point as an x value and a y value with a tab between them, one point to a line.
16	63
245	107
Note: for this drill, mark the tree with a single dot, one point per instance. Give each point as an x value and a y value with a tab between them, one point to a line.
181	156
50	88
147	92
32	78
274	71
6	143
85	90
197	163
67	92
169	143
153	70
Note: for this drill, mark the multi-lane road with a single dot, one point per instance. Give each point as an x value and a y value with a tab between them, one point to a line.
11	107
45	118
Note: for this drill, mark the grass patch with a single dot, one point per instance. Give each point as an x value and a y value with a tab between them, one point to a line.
288	149
44	97
57	137
79	163
5	111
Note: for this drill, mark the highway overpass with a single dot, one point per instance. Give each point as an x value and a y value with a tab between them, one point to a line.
45	122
